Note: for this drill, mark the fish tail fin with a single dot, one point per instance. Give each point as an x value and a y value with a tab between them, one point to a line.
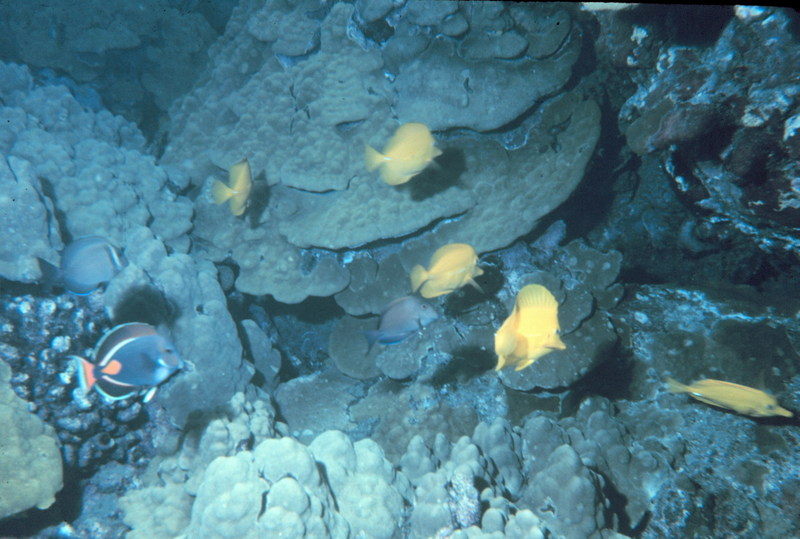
221	192
676	387
85	370
51	274
418	276
372	158
372	337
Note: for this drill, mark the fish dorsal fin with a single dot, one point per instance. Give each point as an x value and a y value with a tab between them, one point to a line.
239	175
535	296
448	251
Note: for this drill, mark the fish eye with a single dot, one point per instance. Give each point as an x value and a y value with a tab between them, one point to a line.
770	406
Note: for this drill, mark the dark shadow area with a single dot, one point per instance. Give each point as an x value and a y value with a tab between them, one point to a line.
312	310
593	198
13	288
258	200
691	25
611	379
468	297
66	508
58	215
148	305
468	362
522	403
442	174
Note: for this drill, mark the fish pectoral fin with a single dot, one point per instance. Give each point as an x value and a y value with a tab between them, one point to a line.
524	363
396	180
475	285
150	394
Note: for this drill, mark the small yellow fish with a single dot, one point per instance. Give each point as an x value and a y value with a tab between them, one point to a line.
531	331
452	266
237	190
409	151
741	399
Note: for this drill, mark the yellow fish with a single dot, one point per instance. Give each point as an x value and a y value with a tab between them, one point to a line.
741	399
452	266
409	151
531	330
237	190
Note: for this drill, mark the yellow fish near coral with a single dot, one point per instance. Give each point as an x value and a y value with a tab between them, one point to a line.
531	330
741	399
451	267
409	151
237	190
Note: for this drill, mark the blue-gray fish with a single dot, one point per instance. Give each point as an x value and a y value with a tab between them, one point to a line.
86	263
128	359
400	319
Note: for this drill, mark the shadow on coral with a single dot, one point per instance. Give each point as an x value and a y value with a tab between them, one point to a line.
258	200
148	305
468	362
611	379
467	298
35	522
445	172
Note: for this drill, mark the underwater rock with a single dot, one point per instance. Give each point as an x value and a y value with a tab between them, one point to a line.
317	198
470	88
127	58
735	96
31	463
173	481
26	215
331	395
93	166
583	279
700	331
183	295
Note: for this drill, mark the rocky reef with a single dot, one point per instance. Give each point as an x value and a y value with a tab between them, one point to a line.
639	163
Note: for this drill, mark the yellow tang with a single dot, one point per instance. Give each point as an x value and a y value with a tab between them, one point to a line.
531	331
237	190
741	399
409	151
451	267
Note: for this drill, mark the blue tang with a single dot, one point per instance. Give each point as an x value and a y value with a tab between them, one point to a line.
128	359
86	263
400	319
